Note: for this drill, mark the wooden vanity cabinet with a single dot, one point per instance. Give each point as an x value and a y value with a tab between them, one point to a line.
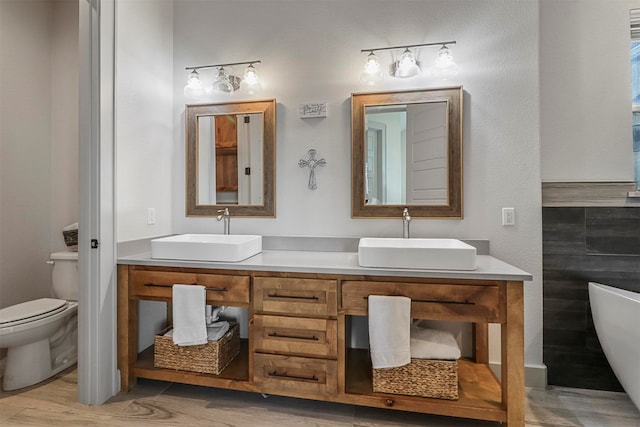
295	333
220	288
297	344
137	282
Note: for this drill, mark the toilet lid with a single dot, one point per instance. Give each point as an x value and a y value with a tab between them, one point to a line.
30	311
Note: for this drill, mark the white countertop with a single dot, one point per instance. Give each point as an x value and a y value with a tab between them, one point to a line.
344	263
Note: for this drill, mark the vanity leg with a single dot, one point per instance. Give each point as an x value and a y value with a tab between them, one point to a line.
342	353
481	343
127	330
512	332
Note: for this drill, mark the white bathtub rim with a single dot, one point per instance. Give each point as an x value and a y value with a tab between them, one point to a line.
633	296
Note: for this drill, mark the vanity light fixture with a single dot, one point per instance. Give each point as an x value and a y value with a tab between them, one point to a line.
225	81
194	88
407	64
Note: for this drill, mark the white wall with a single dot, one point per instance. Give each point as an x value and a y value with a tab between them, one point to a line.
311	52
144	131
64	120
38	137
585	96
144	117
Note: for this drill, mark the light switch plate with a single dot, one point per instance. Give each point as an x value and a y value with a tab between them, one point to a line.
508	216
151	216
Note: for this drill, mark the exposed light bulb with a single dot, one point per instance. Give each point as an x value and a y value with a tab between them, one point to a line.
371	73
194	88
445	58
373	64
250	80
445	64
407	66
250	75
407	58
222	82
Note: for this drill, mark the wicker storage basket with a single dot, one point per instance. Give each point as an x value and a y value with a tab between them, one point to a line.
421	377
210	358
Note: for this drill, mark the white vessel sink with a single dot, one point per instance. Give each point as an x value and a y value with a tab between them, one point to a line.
432	254
207	247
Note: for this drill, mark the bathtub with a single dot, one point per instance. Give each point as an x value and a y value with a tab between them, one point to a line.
616	316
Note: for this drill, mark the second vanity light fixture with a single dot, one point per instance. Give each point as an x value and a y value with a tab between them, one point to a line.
224	81
407	64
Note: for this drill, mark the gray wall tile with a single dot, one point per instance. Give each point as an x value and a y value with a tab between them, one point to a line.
581	245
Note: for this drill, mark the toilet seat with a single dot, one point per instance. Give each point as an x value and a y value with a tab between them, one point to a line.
30	311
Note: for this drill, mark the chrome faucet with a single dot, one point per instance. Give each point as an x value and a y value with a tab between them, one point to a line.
226	217
406	219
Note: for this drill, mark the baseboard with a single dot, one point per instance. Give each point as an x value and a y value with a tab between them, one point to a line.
535	376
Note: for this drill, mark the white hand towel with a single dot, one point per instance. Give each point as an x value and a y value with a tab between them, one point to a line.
189	325
389	325
217	330
433	344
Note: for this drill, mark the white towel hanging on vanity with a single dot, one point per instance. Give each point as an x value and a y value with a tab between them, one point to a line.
189	324
389	326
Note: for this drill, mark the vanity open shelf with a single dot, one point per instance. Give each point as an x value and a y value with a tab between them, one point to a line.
234	376
298	344
478	387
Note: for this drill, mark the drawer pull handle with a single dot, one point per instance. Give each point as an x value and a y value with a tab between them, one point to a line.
277	335
168	286
465	302
292	296
292	377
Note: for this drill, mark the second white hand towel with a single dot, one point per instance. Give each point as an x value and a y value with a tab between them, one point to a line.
389	326
189	324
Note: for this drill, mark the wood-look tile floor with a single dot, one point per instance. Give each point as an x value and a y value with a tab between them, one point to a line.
53	403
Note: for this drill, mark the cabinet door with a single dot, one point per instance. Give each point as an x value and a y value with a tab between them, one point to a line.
295	376
313	297
221	288
226	131
295	335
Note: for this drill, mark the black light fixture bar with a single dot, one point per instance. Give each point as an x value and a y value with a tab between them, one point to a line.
408	46
231	64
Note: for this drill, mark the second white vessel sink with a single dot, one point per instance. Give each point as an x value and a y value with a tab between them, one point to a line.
207	247
432	254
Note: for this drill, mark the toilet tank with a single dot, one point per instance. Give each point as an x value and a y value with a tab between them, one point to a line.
65	275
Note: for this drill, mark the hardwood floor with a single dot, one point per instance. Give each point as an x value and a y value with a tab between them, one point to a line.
53	403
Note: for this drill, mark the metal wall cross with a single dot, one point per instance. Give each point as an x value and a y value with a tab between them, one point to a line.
311	163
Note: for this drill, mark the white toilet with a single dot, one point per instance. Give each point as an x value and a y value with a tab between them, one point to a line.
41	336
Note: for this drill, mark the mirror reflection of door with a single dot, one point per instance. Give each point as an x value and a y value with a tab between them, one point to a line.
406	154
230	159
375	190
250	147
426	154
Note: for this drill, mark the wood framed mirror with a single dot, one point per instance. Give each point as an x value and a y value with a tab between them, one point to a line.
231	158
406	151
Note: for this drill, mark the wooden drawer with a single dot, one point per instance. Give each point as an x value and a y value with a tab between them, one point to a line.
313	297
221	288
466	303
295	335
295	376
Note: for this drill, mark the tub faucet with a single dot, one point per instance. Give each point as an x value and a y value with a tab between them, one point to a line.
406	219
225	216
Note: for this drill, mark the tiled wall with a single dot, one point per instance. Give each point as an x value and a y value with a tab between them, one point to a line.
583	244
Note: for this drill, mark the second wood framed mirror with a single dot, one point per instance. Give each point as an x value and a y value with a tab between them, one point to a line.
407	152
